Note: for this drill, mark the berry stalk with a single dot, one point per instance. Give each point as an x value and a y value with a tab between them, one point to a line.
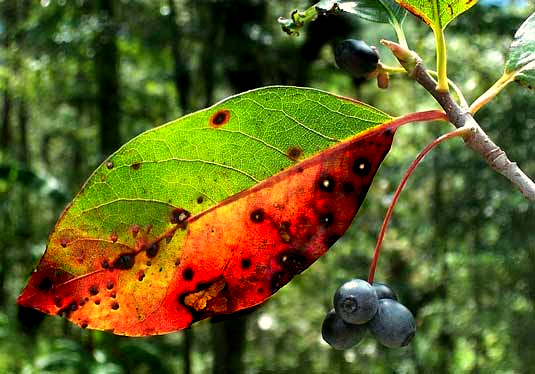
458	132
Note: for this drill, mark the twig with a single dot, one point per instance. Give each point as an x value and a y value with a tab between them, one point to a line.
478	140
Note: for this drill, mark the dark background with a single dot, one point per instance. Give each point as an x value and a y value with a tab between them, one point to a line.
79	78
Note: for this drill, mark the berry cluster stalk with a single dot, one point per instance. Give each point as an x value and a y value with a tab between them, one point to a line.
458	132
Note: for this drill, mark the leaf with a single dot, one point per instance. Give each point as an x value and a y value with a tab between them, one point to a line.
211	213
380	11
437	13
521	60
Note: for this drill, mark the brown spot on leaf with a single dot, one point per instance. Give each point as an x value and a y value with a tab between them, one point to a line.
109	165
84	324
245	263
109	285
179	216
113	237
208	298
136	165
200	200
57	302
105	264
220	118
97	301
294	152
115	305
140	275
93	290
64	242
134	229
284	232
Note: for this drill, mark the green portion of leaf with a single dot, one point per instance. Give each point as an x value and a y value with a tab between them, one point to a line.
192	164
437	13
380	11
521	60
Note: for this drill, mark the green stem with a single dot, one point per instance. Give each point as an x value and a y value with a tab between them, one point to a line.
400	34
442	60
488	95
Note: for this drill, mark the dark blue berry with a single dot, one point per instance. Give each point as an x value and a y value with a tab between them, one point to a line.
393	325
356	57
355	301
384	292
339	334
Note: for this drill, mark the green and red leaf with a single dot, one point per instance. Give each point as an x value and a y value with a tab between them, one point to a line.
211	213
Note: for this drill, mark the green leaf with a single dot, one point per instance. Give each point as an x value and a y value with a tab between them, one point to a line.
521	60
380	11
437	13
175	164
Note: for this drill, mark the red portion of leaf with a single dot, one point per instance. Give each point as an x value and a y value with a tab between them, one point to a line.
230	257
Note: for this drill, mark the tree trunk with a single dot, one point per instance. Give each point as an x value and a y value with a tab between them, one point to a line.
181	70
228	340
107	77
5	139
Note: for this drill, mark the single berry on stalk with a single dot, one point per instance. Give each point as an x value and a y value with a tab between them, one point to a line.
355	301
384	291
356	57
393	325
340	334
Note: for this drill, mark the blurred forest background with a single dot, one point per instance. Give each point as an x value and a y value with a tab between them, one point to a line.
78	78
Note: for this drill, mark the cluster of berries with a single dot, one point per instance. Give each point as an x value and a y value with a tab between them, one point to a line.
360	306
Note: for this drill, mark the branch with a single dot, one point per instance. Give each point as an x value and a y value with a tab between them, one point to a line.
478	140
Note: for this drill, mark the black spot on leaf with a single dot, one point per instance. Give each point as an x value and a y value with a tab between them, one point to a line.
326	183
93	290
331	240
348	187
292	263
125	261
257	216
45	285
327	219
361	167
152	250
187	274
